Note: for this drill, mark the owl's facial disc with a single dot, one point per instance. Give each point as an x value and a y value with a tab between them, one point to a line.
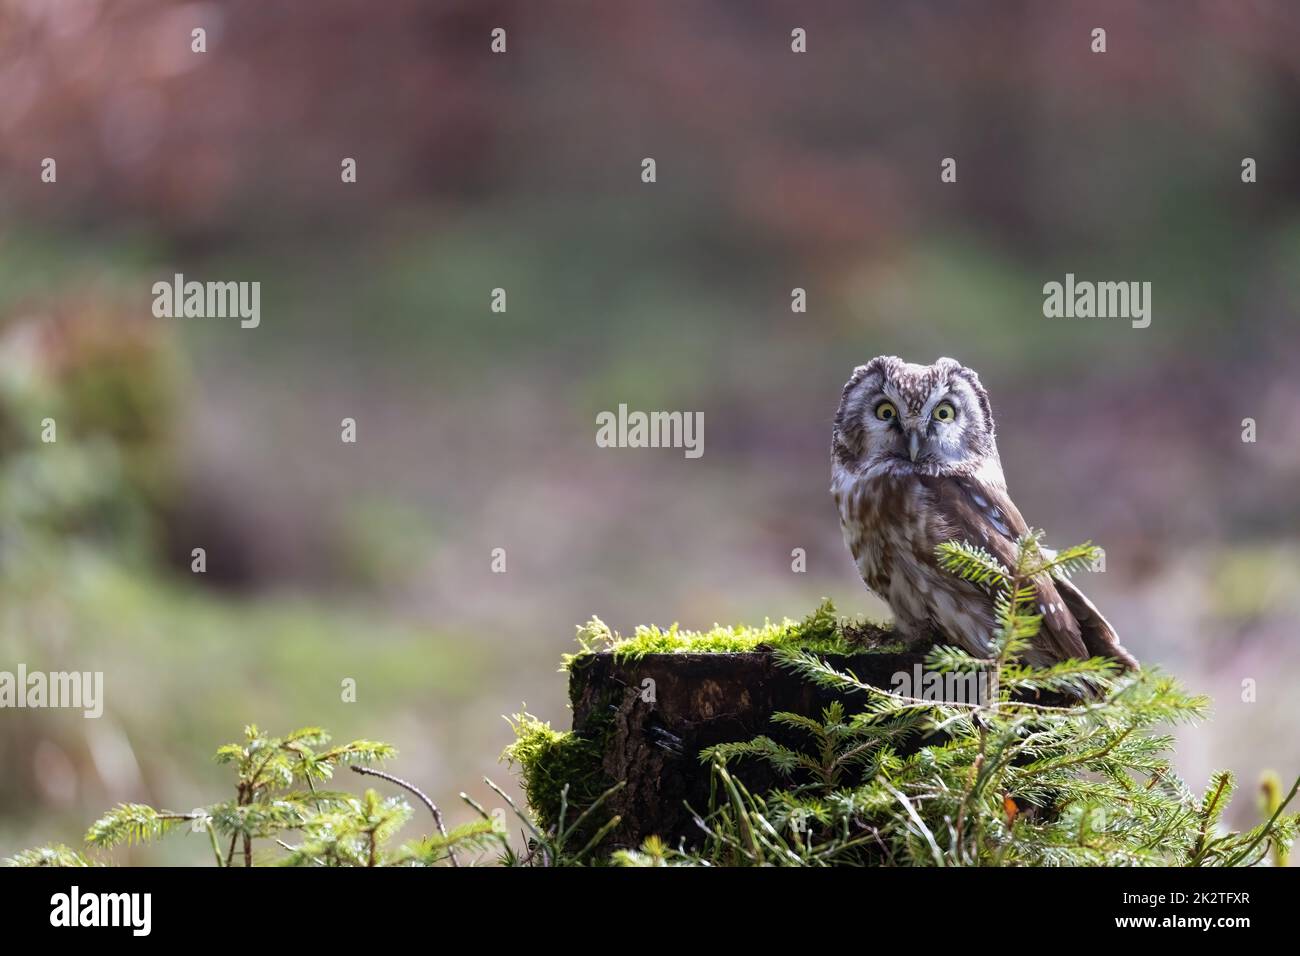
928	436
932	436
931	419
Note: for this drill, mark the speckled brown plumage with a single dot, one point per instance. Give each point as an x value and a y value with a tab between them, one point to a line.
914	463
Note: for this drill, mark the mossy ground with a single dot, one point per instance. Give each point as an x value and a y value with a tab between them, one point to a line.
822	631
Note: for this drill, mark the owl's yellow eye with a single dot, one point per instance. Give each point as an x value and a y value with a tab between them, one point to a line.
886	411
944	412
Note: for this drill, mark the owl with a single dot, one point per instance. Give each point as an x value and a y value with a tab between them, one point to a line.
914	464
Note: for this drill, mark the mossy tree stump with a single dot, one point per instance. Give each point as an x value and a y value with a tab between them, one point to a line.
650	717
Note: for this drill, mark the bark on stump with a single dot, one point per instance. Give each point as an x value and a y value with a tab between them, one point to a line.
699	699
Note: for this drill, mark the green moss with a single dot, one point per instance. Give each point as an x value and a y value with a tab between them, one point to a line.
547	760
822	631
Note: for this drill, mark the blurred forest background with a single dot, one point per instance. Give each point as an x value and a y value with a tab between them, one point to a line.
476	430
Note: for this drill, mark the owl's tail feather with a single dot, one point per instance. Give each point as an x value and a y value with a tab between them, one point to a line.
1098	636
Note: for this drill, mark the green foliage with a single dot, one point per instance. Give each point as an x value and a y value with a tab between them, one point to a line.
1006	779
132	823
558	769
653	852
55	854
841	745
276	796
476	837
1271	803
778	829
353	833
574	840
275	793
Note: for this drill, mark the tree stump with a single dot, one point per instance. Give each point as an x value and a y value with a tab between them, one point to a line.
651	717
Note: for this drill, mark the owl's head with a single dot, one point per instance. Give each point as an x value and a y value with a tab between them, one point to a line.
927	419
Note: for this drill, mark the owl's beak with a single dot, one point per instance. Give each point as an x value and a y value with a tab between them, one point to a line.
913	444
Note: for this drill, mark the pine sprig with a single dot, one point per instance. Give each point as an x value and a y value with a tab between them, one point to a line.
129	823
55	854
972	563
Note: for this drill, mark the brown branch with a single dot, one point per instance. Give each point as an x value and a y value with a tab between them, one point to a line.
412	788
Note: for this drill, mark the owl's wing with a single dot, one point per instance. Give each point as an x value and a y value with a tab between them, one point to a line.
986	516
1098	636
